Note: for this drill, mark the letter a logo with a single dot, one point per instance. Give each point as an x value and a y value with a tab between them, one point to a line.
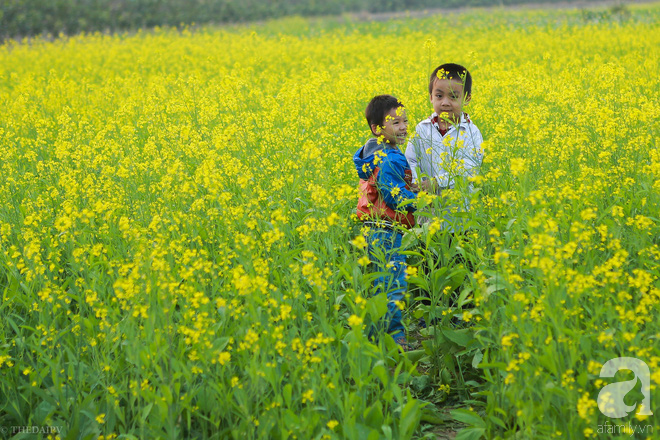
610	398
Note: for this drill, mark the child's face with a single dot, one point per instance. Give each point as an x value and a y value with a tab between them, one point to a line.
448	99
395	127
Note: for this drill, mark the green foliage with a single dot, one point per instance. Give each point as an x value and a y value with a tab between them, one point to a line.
178	256
24	18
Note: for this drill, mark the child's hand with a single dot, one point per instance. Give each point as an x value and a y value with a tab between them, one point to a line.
414	188
428	185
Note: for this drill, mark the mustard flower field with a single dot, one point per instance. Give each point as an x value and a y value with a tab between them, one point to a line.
179	254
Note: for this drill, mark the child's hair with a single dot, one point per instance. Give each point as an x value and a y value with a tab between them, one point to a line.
378	107
452	71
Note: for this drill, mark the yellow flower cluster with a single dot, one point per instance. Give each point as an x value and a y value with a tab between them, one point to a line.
177	219
569	197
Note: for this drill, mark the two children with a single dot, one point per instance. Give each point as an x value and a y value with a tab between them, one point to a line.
446	146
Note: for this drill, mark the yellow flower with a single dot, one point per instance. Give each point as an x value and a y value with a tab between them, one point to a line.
308	396
354	321
4	359
359	242
411	271
517	166
507	340
639	416
444	388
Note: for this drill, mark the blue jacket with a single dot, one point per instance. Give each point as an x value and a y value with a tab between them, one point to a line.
394	173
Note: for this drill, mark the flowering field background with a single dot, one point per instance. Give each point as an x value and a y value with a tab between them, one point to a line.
179	254
22	18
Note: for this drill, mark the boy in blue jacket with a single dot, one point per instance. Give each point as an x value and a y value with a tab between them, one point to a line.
385	205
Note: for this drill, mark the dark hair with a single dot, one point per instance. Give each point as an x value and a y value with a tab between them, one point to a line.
378	107
452	71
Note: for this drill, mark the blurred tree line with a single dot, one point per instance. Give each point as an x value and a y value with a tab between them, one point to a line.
20	18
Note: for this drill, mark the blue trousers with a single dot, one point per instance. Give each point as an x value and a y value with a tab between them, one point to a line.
384	252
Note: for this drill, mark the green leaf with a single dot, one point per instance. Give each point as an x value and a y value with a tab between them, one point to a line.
498	365
478	356
415	355
463	297
510	223
410	417
44	410
221	343
146	411
494	288
470	418
433	416
499	422
380	372
291	420
421	383
286	393
470	434
377	306
461	337
412	253
374	415
439	280
167	394
445	376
